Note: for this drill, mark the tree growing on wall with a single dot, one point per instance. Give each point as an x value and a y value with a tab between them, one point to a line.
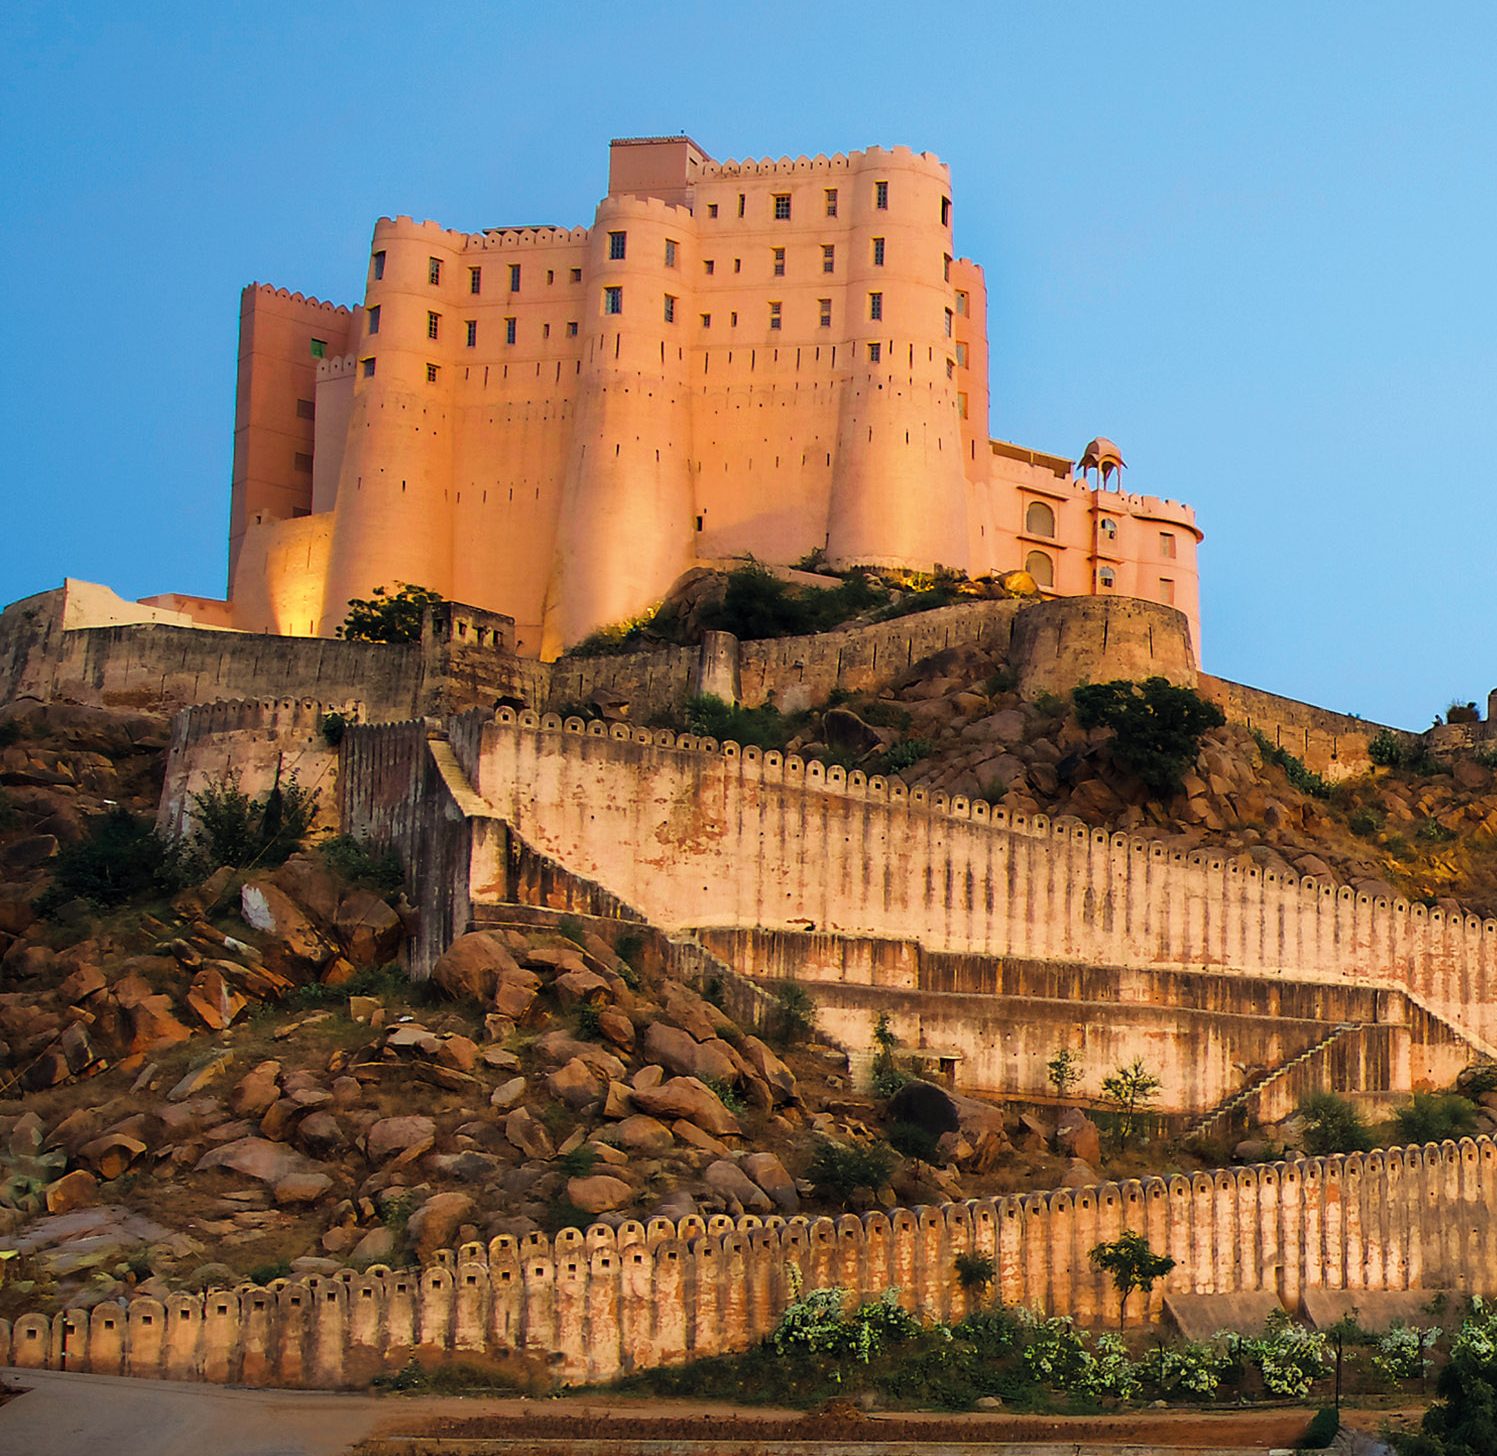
1128	1091
1132	1264
387	616
1064	1071
1156	726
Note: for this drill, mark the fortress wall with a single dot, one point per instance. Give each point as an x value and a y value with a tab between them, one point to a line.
695	836
1332	744
258	743
598	1303
1204	1034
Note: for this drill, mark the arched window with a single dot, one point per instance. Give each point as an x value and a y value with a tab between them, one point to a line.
1041	568
1108	528
1106	577
1039	519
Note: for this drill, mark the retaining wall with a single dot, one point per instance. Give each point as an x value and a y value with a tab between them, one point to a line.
596	1304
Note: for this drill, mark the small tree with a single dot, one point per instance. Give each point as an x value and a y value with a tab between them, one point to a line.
1064	1071
1129	1090
1156	726
1132	1264
387	616
888	1078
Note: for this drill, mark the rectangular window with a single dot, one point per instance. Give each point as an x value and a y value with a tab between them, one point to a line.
774	315
379	265
828	257
545	331
1167	545
618	245
782	207
878	252
472	328
373	317
306	409
613	300
368	367
742	199
875	305
711	209
961	356
431	373
550	276
950	368
670	308
706	320
961	405
733	319
962	302
303	462
433	270
319	348
948	323
945	212
738	265
1166	591
475	280
946	267
779	262
509	330
831	202
709	266
514	277
433	325
572	328
670	252
576	275
875	352
824	305
881	196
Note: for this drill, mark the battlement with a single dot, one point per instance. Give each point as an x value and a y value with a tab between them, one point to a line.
602	1302
837	162
206	720
340	366
270	290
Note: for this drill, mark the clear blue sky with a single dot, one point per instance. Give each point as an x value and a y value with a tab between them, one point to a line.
1253	244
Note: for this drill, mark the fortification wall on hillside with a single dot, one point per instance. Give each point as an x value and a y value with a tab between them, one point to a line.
596	1304
1205	1035
697	835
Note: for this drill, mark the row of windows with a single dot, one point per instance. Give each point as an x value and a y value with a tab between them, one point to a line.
780	203
613	303
618	251
1039	520
434	327
475	275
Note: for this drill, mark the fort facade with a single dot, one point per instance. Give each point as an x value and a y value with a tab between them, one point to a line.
775	358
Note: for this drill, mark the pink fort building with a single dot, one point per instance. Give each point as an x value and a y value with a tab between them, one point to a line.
764	358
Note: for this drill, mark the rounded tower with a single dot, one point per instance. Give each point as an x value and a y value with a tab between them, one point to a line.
898	492
393	510
624	531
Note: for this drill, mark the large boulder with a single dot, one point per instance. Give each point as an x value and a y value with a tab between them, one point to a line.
258	1158
293	943
213	1000
1077	1136
526	1132
677	1051
771	1069
645	1135
435	1224
369	929
926	1106
399	1140
599	1193
770	1174
478	967
688	1099
728	1179
575	1083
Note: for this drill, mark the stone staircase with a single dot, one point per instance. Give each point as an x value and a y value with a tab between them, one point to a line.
1281	1087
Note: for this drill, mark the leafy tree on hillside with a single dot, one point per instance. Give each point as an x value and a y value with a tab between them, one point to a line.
1156	726
1132	1264
388	616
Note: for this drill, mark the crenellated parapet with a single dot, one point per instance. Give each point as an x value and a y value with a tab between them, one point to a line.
821	163
602	1302
269	290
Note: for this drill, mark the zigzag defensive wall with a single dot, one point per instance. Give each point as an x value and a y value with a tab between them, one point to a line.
594	1304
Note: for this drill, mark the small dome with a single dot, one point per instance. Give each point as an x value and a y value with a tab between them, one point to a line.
1101	454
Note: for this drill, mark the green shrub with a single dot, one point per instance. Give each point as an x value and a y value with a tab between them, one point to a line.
1401	1352
1431	831
1333	1125
792	1019
362	863
119	858
1289	1357
906	755
387	616
1000	680
234	829
569	927
975	1272
332	726
1193	1370
1432	1117
888	1076
1366	822
1157	727
1300	777
911	1140
725	1092
1386	750
589	1022
884	715
1322	1429
762	727
578	1162
836	1169
757	604
264	1273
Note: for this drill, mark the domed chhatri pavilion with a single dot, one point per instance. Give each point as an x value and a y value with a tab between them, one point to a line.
776	357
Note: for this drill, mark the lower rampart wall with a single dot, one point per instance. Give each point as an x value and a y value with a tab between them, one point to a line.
596	1304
